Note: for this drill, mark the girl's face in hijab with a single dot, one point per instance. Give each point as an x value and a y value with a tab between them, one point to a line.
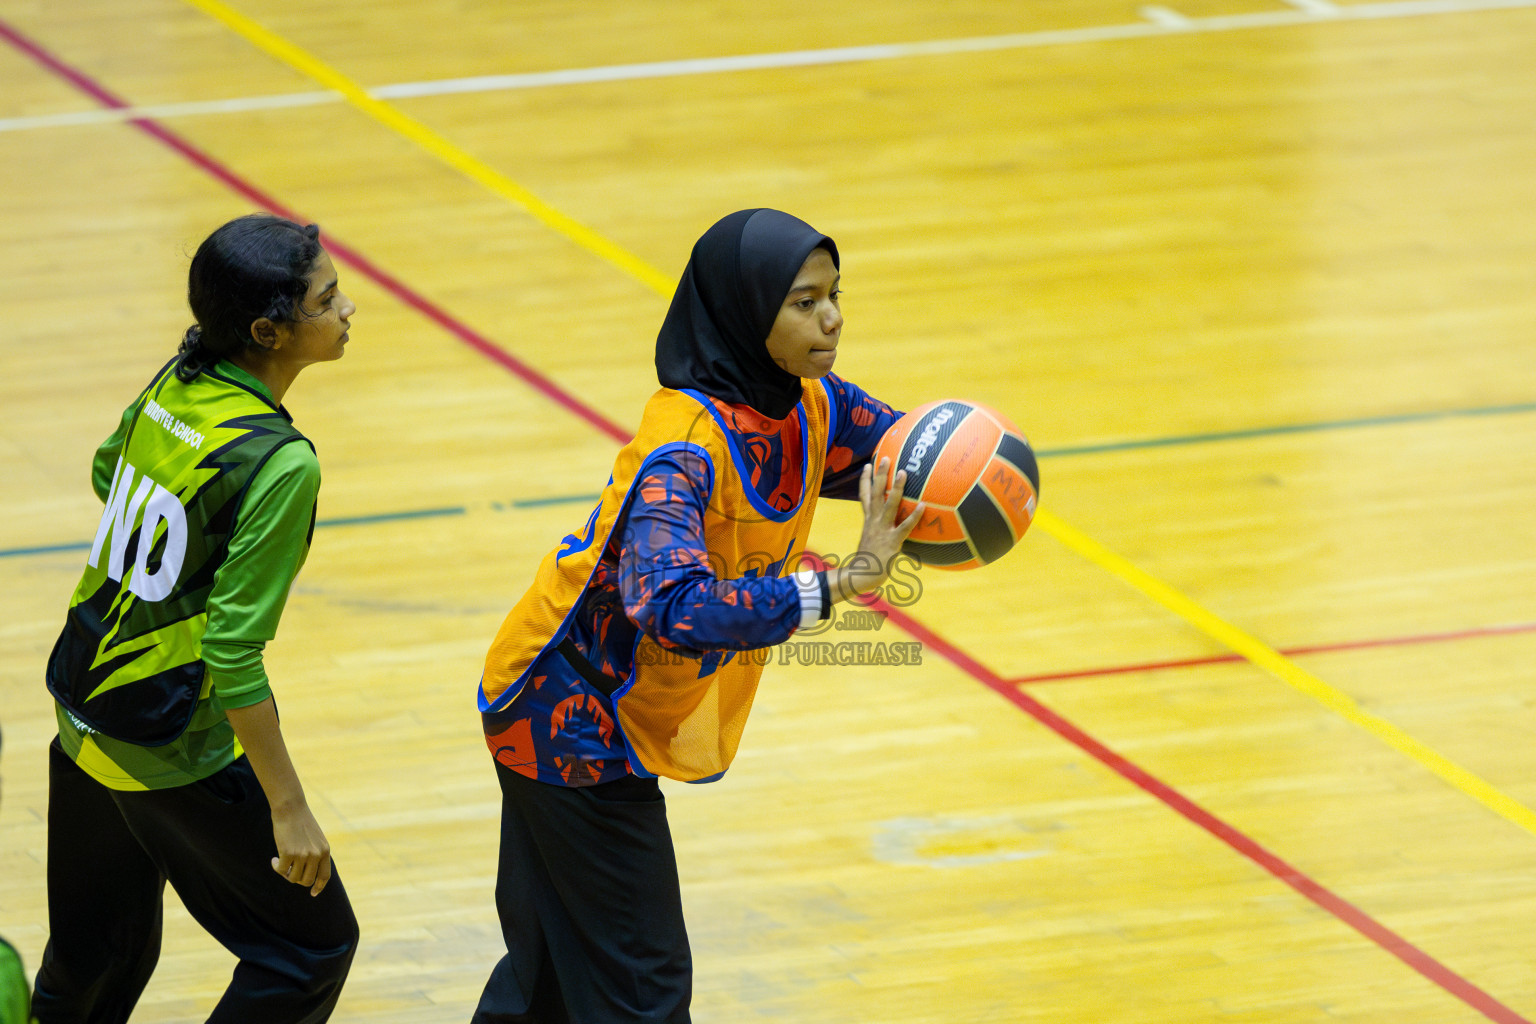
804	336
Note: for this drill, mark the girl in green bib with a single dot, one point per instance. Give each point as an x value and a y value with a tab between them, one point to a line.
169	764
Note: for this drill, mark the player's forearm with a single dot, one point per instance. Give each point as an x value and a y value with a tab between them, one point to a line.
257	729
860	575
696	611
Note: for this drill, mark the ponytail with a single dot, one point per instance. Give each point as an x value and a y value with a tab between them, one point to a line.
194	357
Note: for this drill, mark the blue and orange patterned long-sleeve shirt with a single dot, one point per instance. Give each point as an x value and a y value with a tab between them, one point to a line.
656	576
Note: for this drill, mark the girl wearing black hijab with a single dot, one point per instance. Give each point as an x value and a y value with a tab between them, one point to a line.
638	648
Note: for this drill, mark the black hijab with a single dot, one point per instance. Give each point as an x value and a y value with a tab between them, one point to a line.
713	339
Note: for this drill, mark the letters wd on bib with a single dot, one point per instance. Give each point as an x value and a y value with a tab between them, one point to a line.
136	708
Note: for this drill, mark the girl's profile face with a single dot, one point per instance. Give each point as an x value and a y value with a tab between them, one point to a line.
804	336
319	333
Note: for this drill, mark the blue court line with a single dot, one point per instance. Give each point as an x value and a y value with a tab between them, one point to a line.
47	549
1293	428
569	499
390	517
1044	453
369	520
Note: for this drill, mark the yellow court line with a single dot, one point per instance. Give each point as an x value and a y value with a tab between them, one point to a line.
429	140
1224	632
1287	671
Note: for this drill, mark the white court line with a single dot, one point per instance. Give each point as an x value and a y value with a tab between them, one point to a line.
1165	23
103	115
1163	17
1321	8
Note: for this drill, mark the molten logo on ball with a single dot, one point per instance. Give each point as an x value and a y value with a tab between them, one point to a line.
976	474
925	440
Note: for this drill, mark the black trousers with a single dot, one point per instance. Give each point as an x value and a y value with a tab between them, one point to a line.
110	854
590	907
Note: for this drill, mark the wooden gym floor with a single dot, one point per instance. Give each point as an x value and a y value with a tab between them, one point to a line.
1243	730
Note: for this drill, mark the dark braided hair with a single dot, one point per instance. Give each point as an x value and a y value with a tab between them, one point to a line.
254	267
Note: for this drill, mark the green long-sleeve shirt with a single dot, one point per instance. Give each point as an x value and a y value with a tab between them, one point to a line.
266	550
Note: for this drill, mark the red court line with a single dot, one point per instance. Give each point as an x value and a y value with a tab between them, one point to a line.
1346	912
1290	652
1336	905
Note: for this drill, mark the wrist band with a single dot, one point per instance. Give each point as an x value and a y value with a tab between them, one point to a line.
814	603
